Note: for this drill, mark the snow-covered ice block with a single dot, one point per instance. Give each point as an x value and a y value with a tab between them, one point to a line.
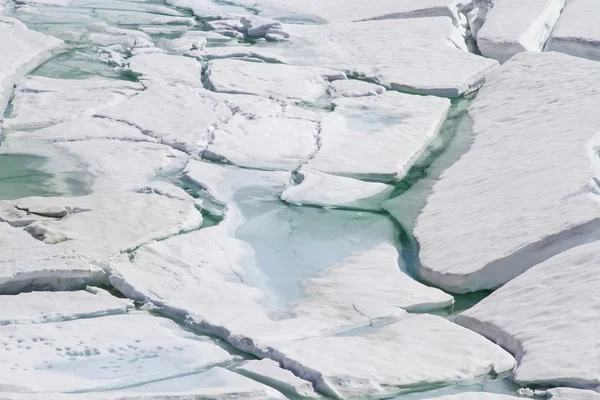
372	278
274	143
507	204
28	264
258	27
422	55
319	189
188	43
477	396
41	101
180	117
271	80
44	307
577	32
167	69
128	17
378	136
572	394
100	353
103	224
349	366
268	371
548	319
22	51
514	26
354	88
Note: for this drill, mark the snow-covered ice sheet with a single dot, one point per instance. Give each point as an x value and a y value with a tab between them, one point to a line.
178	116
524	190
270	80
102	225
100	353
166	69
45	307
377	136
577	31
354	88
324	190
28	264
270	372
22	51
549	319
514	26
423	55
477	396
40	101
572	394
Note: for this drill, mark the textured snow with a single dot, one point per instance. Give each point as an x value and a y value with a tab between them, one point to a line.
100	353
477	396
507	204
354	88
22	51
101	225
572	394
269	372
166	69
422	55
514	26
378	136
324	190
577	32
270	80
28	264
40	101
44	307
548	318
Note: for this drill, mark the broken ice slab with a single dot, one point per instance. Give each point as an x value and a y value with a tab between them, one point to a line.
555	337
577	31
104	353
45	307
269	372
377	137
102	225
277	81
354	88
40	102
180	117
324	190
507	205
166	69
28	264
513	26
563	393
394	54
478	396
22	51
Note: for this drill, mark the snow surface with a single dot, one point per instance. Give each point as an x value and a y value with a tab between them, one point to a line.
277	81
394	54
28	264
22	51
378	136
268	371
548	318
45	307
514	26
477	396
577	32
354	88
324	190
100	353
572	394
507	204
166	69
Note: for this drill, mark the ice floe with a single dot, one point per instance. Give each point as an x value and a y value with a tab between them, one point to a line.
395	54
477	396
100	353
270	80
40	101
28	264
22	51
577	32
45	307
572	394
166	69
548	319
507	204
377	136
354	88
268	371
514	26
324	190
